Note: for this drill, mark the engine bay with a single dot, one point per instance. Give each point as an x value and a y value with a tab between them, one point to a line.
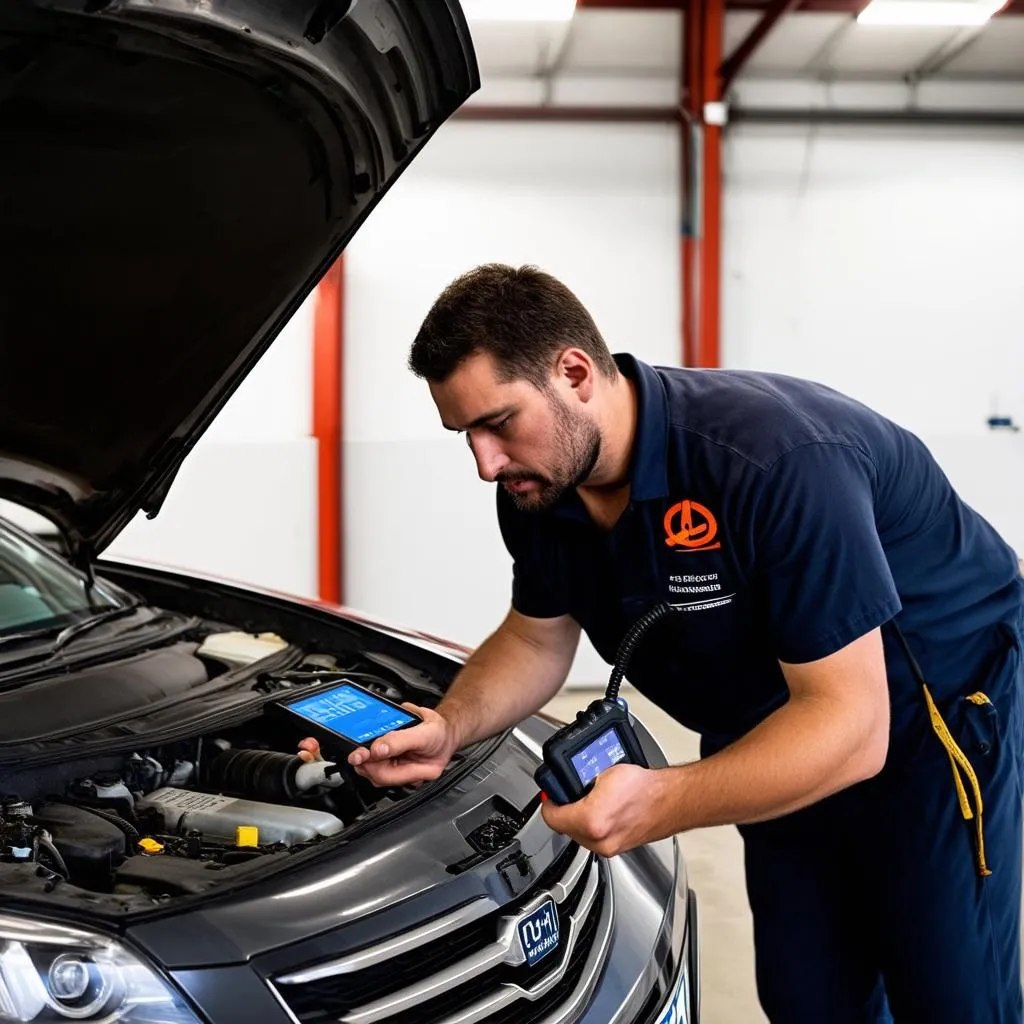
160	821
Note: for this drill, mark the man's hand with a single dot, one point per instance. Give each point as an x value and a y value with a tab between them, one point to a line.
617	815
403	757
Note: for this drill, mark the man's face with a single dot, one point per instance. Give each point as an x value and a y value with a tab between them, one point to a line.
536	444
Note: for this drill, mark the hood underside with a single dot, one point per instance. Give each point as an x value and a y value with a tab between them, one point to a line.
176	177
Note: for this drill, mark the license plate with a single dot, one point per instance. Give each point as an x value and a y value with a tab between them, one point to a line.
538	932
676	1010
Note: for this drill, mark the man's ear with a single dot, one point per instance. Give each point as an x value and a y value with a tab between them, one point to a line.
576	372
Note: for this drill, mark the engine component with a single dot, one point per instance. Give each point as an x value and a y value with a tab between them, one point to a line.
90	845
22	841
268	774
13	807
17	840
236	650
107	791
179	810
143	774
181	773
247	836
178	875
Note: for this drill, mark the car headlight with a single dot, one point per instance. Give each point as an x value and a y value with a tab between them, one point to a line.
51	973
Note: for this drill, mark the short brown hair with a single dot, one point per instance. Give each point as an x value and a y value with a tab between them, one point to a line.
522	317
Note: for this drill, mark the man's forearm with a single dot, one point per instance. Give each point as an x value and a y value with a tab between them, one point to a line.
508	677
804	752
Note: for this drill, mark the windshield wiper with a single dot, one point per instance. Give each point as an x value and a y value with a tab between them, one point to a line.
31	634
78	628
65	633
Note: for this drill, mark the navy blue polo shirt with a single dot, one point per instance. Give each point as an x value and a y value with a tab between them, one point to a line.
784	520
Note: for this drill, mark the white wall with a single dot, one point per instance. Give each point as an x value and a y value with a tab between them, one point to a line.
884	262
594	205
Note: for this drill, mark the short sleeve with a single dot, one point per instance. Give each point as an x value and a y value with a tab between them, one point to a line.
537	589
818	554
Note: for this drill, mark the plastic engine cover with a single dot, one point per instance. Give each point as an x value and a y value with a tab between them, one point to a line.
91	846
220	816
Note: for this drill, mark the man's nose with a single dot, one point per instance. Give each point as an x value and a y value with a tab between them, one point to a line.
490	459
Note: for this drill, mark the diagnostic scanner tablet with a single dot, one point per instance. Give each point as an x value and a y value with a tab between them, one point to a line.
345	715
574	756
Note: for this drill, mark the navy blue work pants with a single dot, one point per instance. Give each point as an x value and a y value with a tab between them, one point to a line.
869	908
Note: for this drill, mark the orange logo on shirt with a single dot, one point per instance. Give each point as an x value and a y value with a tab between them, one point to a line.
690	526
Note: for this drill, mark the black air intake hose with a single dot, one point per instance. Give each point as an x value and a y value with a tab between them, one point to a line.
259	774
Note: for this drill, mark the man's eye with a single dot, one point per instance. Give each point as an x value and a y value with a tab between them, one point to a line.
468	437
498	427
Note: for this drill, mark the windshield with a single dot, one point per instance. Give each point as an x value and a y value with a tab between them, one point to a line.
40	592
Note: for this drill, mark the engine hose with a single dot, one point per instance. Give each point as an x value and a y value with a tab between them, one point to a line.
54	854
131	832
628	645
263	774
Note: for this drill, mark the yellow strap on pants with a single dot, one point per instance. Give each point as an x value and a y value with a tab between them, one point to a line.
959	763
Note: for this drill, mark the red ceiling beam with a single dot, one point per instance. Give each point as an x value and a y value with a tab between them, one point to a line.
564	112
635	5
826	6
732	66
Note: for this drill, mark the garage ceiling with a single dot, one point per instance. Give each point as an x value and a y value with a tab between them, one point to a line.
603	41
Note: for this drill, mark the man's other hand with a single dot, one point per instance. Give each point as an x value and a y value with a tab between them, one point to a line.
400	758
615	816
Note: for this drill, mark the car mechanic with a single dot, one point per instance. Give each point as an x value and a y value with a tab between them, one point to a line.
852	660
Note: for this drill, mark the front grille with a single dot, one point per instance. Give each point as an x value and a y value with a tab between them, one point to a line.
536	1011
449	975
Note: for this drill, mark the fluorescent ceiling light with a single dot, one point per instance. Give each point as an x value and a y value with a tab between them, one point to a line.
518	10
944	13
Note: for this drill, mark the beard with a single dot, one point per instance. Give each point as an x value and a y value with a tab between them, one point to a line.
579	447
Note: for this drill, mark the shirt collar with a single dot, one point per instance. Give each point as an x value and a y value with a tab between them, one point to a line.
648	467
648	472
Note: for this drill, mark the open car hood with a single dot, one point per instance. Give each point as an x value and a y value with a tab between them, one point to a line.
176	177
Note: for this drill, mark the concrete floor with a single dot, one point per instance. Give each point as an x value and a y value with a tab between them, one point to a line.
715	860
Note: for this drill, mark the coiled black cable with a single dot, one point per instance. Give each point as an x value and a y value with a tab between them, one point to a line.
131	833
628	645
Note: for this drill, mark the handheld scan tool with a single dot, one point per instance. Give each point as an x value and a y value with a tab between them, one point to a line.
601	736
345	715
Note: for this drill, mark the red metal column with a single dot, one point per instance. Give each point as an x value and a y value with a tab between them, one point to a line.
328	347
702	182
711	190
690	89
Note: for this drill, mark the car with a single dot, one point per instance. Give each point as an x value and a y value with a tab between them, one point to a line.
178	175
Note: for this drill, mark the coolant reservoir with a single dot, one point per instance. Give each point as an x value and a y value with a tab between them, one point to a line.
237	649
220	816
